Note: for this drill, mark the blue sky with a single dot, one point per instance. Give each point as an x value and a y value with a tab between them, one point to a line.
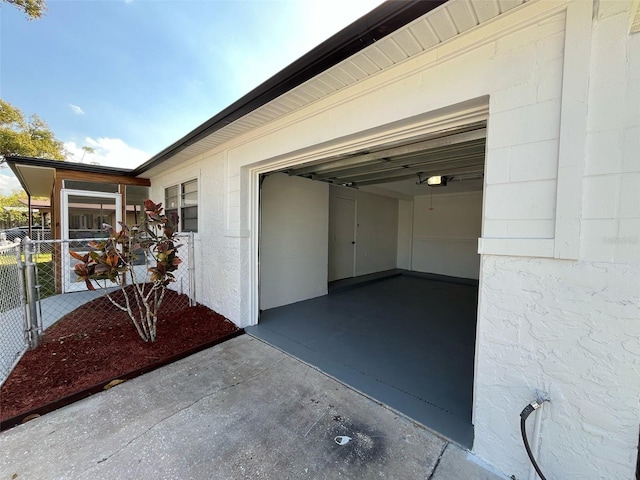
130	77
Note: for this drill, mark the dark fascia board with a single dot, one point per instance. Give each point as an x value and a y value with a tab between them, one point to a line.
380	22
60	165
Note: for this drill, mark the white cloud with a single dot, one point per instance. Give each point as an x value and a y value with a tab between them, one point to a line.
111	152
8	182
76	109
108	152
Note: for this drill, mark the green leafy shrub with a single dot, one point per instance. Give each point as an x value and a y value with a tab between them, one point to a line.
112	261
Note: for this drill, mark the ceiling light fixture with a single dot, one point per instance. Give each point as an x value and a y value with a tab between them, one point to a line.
437	181
433	181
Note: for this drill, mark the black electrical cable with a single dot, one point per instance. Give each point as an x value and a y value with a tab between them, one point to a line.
523	419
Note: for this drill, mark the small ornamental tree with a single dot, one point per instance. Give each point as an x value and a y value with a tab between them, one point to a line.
112	260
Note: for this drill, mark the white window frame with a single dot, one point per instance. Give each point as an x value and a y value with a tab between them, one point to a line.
180	203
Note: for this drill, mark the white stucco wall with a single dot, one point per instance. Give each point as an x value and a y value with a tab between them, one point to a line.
294	240
218	262
445	234
571	329
559	283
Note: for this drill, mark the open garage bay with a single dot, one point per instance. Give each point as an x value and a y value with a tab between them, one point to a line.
407	341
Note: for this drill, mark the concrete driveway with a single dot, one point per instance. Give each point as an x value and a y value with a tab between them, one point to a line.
240	410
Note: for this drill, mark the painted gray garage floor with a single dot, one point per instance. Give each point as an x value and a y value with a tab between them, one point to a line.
240	410
406	341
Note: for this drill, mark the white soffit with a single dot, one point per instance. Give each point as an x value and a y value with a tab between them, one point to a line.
441	24
36	181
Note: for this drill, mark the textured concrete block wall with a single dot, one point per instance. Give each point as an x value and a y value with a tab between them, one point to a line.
522	144
218	261
611	196
570	329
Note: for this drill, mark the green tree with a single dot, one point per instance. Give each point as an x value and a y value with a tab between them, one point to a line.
32	8
29	137
12	216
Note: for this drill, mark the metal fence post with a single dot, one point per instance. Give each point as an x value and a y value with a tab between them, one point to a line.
192	272
23	295
33	329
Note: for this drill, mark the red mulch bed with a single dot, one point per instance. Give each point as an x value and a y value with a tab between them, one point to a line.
95	344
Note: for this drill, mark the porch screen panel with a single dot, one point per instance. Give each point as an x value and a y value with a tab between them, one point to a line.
87	214
135	197
92	186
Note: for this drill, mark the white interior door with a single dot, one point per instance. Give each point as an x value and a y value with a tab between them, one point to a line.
83	213
342	247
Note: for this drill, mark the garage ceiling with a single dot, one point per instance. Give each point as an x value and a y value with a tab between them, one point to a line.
458	155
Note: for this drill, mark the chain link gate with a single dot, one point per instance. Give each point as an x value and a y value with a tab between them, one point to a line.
13	341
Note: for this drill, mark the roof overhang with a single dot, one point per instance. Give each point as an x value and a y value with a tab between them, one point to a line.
36	181
369	29
387	36
37	175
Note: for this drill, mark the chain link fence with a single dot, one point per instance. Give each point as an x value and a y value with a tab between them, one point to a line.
38	289
12	308
60	292
18	233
